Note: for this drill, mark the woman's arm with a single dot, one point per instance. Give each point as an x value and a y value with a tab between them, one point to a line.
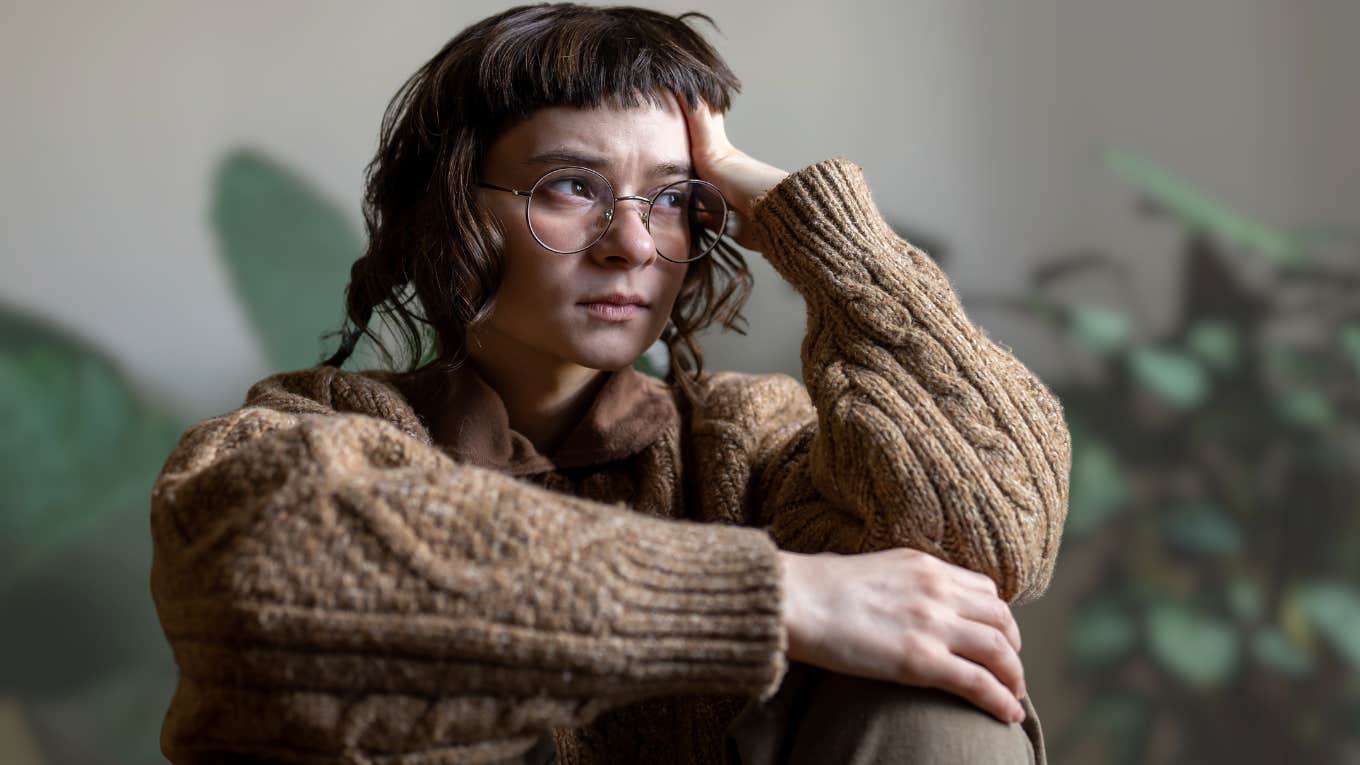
915	429
333	585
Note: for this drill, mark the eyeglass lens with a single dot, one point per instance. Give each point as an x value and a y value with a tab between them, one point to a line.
569	211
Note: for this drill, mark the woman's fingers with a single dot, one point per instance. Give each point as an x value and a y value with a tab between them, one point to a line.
979	582
976	598
990	648
988	610
707	134
739	176
974	683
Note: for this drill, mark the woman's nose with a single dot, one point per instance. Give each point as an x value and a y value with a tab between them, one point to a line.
628	237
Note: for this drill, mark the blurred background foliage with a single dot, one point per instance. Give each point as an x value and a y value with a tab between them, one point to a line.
1212	464
78	455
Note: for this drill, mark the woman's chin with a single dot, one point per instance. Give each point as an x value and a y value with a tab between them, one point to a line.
611	358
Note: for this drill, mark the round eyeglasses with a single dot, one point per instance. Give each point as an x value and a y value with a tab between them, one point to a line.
571	208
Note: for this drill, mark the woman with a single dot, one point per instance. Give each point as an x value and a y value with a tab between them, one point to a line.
524	547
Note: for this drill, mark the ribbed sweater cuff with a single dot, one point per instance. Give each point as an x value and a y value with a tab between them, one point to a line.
704	606
818	225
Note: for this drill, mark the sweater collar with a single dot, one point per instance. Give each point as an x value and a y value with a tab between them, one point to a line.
468	420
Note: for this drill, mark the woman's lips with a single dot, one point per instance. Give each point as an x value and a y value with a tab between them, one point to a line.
613	311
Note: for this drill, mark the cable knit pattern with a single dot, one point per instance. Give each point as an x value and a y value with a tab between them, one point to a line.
926	433
337	587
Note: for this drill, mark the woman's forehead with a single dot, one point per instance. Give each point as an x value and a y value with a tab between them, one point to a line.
605	135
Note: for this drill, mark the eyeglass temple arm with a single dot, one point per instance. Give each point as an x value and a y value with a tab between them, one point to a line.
516	192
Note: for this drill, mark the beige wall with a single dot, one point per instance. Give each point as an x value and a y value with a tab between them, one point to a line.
979	122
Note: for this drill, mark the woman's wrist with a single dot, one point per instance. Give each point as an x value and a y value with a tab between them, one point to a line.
796	614
747	179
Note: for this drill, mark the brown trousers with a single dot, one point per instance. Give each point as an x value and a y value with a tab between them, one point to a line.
818	717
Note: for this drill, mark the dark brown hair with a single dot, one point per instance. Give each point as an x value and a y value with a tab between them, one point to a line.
429	240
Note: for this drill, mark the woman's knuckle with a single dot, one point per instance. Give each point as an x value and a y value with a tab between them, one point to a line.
926	616
998	645
1000	613
914	611
931	585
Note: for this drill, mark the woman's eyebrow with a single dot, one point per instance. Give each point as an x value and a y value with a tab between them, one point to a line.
573	157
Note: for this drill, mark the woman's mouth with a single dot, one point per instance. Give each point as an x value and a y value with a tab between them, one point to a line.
613	311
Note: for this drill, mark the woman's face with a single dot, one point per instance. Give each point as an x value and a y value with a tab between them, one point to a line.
541	314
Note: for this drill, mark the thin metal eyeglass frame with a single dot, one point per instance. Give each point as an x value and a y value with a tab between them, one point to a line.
609	214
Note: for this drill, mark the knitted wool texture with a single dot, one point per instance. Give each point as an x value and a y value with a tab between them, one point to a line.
337	588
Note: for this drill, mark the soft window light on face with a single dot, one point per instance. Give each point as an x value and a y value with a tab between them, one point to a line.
540	307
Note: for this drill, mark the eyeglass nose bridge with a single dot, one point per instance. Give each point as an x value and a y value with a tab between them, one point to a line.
646	211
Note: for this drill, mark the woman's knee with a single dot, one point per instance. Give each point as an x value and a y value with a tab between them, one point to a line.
857	720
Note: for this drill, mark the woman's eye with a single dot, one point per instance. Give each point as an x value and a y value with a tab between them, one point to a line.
575	187
672	199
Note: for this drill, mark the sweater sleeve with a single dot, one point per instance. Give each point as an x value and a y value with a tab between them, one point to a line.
336	588
915	429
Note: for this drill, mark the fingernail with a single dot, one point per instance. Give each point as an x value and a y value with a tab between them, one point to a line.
1018	715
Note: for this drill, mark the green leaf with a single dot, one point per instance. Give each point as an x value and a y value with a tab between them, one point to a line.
1099	329
1203	528
1199	212
118	714
289	251
68	411
1306	407
1124	717
1349	337
1172	375
1097	488
1245	599
79	449
1333	608
92	586
1270	647
1100	632
1200	649
1216	342
1290	365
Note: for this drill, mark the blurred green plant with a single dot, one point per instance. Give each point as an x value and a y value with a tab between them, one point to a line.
288	250
80	448
1217	464
85	655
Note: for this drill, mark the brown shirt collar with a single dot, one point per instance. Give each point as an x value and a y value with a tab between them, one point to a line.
467	418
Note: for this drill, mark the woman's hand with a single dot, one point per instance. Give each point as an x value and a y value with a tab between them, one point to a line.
905	616
740	177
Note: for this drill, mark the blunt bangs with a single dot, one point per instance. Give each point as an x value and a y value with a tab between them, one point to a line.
587	57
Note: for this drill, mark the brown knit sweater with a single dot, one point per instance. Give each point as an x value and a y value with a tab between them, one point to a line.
372	567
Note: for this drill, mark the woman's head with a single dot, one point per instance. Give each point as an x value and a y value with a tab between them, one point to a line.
525	81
